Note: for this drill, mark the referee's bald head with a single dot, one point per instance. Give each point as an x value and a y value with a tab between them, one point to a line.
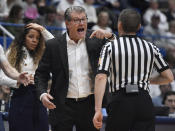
130	20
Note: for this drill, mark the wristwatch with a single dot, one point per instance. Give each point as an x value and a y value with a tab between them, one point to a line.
112	37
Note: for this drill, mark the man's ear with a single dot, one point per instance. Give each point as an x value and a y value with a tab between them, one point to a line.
67	24
120	28
120	25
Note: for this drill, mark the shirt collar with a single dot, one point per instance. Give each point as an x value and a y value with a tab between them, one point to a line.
128	36
69	41
24	49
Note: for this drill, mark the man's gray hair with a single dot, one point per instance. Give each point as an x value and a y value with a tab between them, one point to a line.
67	14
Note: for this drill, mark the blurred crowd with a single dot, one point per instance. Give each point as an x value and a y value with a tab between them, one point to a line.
158	26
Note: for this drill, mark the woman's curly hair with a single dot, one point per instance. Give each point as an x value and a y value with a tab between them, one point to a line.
16	54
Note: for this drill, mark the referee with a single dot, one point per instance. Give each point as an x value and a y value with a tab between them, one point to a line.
127	63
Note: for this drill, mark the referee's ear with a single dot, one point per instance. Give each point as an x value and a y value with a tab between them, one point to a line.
120	28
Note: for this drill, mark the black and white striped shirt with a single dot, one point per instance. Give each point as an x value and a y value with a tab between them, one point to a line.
130	60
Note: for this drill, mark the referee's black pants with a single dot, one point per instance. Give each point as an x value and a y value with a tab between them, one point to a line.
130	112
77	113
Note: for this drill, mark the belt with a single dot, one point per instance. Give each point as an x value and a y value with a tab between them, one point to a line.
123	90
79	99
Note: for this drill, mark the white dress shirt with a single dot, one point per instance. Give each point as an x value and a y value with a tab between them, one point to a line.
80	83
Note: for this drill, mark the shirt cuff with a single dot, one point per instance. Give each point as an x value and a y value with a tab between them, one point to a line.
103	72
42	96
47	35
163	69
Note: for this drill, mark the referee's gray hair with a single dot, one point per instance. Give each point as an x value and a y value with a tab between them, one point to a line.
67	14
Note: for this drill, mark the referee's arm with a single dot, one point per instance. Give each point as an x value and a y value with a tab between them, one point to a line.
164	77
100	84
101	77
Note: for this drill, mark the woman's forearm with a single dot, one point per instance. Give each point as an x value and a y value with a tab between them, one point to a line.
9	70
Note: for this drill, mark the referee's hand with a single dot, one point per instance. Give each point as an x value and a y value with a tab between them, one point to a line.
98	119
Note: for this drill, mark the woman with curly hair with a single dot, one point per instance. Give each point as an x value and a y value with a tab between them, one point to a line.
26	112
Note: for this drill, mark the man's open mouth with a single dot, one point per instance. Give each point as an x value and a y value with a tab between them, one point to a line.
80	29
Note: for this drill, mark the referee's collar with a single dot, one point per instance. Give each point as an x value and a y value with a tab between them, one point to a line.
128	36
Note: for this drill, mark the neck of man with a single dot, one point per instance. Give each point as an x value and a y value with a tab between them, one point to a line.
126	33
74	39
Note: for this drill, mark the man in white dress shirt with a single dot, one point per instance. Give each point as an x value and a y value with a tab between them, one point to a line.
72	58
